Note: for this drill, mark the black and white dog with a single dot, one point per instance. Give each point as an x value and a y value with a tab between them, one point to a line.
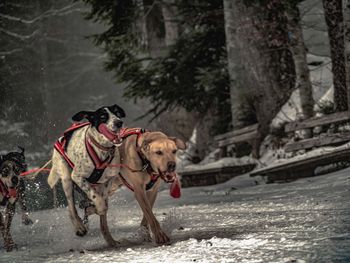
12	189
81	157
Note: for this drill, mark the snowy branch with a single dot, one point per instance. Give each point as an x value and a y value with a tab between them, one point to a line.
6	53
49	13
80	54
18	36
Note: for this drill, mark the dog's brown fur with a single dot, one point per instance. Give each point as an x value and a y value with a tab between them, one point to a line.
151	143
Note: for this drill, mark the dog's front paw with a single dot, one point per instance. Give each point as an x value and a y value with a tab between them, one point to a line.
161	238
81	230
10	246
26	221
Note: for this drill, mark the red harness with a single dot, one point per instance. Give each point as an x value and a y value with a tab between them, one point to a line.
175	189
7	193
61	143
100	166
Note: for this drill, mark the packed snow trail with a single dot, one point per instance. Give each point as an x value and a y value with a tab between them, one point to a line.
303	221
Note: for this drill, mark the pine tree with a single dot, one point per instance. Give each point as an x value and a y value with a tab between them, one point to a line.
191	72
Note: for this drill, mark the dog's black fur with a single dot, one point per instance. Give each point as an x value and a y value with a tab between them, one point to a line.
12	164
100	116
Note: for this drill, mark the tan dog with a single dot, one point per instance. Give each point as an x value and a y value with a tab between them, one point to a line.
158	152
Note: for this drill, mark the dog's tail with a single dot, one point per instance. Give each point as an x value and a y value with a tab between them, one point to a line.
53	178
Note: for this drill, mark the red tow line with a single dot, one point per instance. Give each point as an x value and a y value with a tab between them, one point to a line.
35	171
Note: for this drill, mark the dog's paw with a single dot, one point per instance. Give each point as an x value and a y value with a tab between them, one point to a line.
161	238
81	231
90	210
10	246
27	221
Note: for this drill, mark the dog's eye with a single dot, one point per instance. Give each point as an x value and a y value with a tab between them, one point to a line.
104	117
5	171
159	152
174	151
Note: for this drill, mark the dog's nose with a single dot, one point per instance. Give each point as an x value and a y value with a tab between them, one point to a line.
14	180
118	123
171	166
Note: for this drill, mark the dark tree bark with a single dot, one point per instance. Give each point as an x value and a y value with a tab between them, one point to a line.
298	49
334	20
234	67
260	64
347	48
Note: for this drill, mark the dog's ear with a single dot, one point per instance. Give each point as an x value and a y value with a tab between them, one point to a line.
145	144
118	111
180	144
22	150
83	115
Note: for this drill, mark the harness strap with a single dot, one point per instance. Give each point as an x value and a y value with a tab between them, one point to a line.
101	147
7	193
94	157
148	186
59	146
100	166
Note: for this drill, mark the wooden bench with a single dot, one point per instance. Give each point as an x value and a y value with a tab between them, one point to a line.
305	167
213	175
247	134
327	139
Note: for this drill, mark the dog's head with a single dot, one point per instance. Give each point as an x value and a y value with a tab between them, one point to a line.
161	151
11	165
111	116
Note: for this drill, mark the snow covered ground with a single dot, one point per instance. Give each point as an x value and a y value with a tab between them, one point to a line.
304	221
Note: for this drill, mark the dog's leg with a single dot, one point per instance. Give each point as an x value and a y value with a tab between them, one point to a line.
141	197
9	213
151	196
97	198
105	231
80	229
2	226
22	202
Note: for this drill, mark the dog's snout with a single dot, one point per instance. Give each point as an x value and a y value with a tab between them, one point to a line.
14	180
118	123
171	166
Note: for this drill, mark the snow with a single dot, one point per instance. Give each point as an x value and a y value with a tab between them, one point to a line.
321	79
238	221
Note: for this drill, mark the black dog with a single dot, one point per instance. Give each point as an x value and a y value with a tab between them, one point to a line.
12	188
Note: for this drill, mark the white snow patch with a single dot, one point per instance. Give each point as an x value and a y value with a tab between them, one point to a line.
321	78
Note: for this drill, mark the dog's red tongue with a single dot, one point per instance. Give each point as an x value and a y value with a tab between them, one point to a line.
12	193
113	137
175	188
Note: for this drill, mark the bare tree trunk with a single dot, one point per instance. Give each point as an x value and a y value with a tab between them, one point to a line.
302	73
260	64
155	27
334	20
347	48
170	14
231	26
